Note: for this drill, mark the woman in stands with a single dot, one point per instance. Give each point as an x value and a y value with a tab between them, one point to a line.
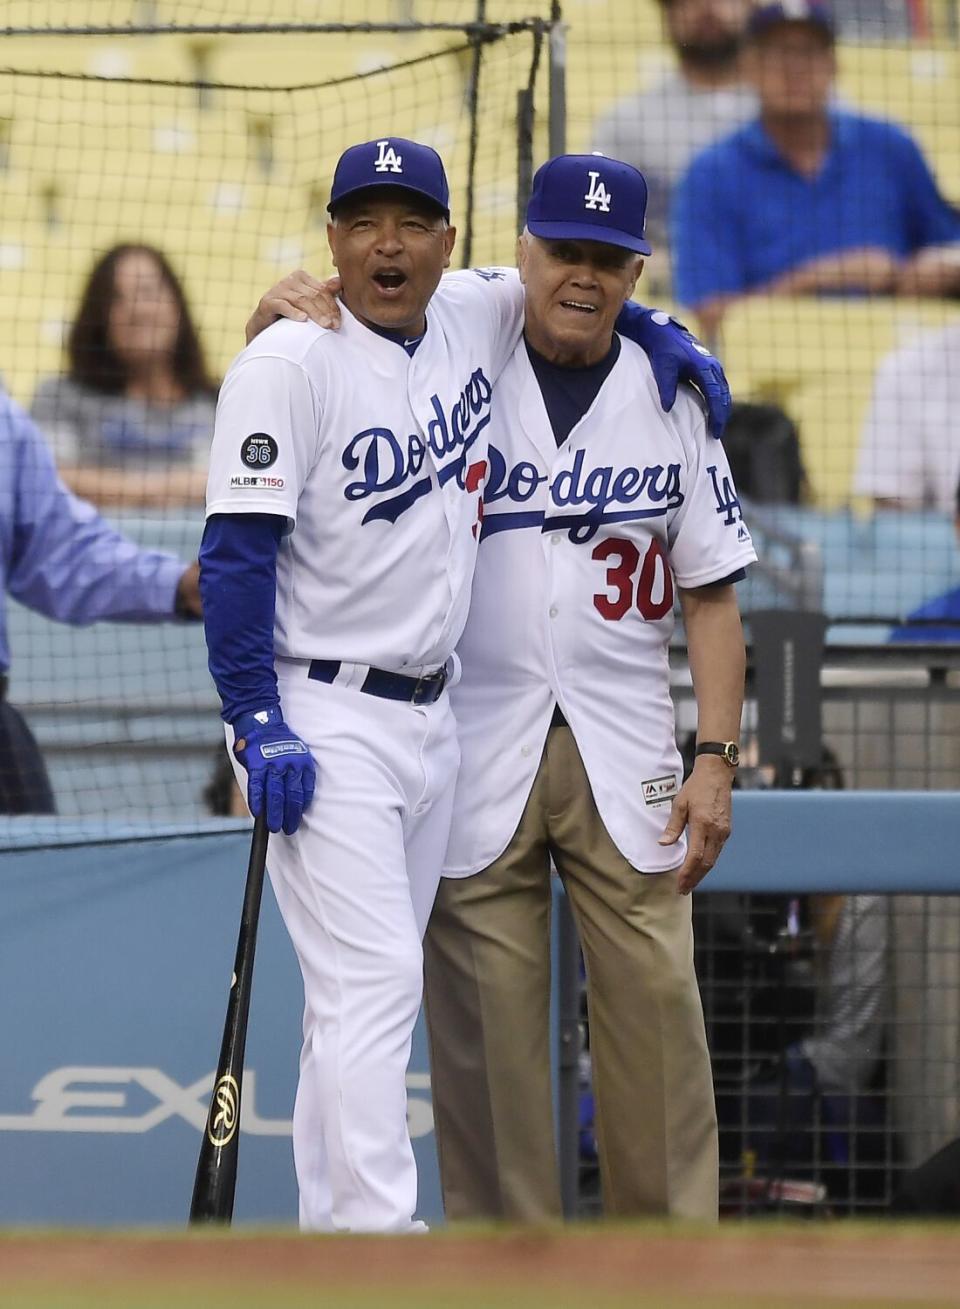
131	421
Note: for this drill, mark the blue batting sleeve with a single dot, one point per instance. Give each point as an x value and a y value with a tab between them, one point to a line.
238	586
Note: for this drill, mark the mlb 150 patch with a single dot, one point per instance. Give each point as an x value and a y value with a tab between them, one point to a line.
256	483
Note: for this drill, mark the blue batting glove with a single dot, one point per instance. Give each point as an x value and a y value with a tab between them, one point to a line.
676	356
281	771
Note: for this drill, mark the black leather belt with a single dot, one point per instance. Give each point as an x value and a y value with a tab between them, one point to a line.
558	719
389	686
4	683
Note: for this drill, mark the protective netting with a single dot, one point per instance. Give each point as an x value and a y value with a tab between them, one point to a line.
216	150
210	132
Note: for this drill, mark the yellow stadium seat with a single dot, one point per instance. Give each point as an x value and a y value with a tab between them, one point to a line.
817	358
915	85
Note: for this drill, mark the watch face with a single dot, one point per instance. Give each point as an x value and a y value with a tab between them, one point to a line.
731	752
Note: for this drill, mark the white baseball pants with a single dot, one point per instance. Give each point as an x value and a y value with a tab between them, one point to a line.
355	885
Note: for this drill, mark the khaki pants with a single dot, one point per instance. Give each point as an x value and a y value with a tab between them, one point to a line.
487	961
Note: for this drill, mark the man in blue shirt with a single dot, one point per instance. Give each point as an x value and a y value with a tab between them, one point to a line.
59	557
808	199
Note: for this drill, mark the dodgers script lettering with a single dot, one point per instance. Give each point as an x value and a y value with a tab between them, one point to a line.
388	463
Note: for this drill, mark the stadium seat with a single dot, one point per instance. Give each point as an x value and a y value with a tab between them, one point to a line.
817	358
878	566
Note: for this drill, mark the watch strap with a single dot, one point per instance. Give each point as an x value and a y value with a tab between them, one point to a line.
728	751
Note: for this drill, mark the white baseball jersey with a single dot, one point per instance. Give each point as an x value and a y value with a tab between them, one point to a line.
376	461
573	602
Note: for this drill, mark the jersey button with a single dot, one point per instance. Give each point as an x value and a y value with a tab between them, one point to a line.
525	751
554	611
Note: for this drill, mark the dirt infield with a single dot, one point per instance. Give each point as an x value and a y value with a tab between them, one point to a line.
586	1268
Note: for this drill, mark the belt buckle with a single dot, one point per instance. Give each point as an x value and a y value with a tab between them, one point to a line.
424	684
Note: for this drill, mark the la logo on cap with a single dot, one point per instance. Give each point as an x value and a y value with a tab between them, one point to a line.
597	197
387	161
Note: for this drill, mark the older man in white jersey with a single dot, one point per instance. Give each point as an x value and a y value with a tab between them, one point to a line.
597	504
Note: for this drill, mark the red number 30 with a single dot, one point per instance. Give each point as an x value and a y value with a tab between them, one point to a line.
620	577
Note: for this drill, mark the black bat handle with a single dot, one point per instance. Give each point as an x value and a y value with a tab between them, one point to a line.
216	1180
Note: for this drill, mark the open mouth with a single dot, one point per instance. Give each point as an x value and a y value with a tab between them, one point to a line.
391	281
579	306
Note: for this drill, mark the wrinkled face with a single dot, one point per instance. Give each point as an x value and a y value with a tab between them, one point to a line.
574	293
708	30
390	250
144	318
792	67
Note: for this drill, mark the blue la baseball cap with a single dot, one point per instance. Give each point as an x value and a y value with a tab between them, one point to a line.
589	198
391	161
792	11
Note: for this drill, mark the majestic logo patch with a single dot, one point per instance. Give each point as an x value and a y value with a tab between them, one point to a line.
658	789
597	197
387	161
259	451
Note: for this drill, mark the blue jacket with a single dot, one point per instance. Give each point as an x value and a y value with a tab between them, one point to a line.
57	555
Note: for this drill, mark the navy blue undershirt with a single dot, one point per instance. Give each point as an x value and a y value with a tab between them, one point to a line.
567	392
408	343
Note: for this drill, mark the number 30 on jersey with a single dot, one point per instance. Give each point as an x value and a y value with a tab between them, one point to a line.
655	579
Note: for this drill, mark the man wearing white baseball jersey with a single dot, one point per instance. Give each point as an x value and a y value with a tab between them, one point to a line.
343	520
337	559
597	504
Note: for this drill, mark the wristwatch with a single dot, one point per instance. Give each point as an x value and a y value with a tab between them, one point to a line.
728	751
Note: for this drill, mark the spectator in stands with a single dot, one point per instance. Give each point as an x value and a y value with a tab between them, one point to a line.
59	557
910	448
800	1087
821	1111
131	421
937	619
703	98
808	198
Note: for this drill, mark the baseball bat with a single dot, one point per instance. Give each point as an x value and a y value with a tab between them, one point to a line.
216	1180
